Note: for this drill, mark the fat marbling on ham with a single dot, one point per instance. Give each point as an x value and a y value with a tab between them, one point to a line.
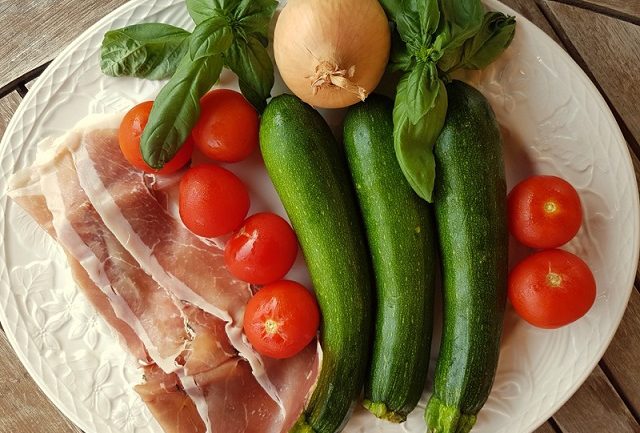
164	290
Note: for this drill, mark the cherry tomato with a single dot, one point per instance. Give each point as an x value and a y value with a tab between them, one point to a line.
213	201
129	134
544	212
281	319
227	129
552	288
262	250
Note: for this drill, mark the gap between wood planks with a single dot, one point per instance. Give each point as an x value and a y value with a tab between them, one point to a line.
554	425
22	80
601	9
616	386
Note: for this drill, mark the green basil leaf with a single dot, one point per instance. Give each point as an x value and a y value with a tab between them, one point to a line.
210	37
414	142
150	50
489	43
408	25
451	59
422	88
393	8
429	13
254	16
252	64
202	10
417	23
461	20
401	59
177	108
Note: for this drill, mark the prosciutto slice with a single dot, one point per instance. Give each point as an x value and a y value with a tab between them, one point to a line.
163	393
135	297
190	268
164	290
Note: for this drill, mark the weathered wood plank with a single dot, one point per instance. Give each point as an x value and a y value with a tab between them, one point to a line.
23	406
8	106
532	12
596	407
622	359
35	31
626	8
609	48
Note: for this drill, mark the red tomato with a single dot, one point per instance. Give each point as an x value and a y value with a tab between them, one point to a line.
281	319
129	134
552	288
544	212
227	129
213	201
263	250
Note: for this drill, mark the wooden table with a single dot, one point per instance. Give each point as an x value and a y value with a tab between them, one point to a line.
603	36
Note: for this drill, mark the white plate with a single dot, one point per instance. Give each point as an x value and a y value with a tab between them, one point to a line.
555	122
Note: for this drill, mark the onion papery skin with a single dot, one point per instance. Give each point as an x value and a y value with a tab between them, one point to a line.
348	39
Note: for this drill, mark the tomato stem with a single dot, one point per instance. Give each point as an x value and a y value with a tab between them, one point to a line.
554	279
550	207
271	327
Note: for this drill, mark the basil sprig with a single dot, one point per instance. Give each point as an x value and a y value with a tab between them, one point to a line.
433	38
232	33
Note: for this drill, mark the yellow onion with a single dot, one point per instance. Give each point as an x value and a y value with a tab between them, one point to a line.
332	53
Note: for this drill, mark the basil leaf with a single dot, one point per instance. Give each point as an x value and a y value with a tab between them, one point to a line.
414	142
408	25
393	8
252	64
150	50
177	108
489	43
417	23
429	14
202	10
401	59
461	20
254	16
422	90
210	37
451	59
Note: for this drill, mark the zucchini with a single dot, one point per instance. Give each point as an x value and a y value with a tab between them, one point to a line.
309	171
402	242
470	207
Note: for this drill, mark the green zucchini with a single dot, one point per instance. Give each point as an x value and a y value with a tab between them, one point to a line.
309	171
403	245
470	207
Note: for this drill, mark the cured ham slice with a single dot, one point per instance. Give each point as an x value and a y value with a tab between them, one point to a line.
165	291
174	410
190	268
135	296
163	393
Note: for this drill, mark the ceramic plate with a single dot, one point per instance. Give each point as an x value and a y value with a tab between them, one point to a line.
554	122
